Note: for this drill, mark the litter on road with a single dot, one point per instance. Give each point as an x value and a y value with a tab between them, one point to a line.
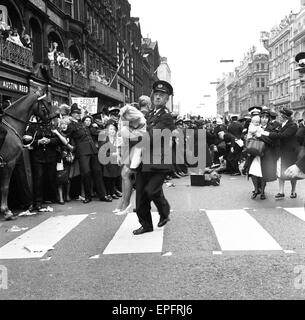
95	257
37	248
167	254
46	259
170	184
16	229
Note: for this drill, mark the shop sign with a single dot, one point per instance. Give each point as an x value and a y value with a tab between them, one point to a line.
14	86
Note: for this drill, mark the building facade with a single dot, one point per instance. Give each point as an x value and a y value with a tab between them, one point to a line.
247	86
297	45
100	37
279	46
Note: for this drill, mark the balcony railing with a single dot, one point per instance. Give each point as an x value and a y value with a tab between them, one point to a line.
15	54
61	74
106	91
79	81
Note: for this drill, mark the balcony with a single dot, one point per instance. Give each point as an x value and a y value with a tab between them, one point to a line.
14	54
109	92
61	74
79	81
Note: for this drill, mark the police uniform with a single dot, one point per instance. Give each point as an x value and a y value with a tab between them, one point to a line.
43	160
150	178
87	154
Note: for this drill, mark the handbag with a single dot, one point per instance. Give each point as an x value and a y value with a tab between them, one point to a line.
255	147
62	177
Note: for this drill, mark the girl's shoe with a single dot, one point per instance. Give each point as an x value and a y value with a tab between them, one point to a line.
120	213
114	196
293	195
119	193
254	195
280	196
263	197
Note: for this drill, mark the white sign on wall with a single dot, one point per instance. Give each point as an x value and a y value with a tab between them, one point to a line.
87	104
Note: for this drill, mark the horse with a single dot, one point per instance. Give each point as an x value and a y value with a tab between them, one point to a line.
16	118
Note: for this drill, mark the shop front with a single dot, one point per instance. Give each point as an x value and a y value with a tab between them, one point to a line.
12	90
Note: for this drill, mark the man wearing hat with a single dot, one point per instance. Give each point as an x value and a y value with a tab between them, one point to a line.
87	155
114	113
236	130
151	176
286	135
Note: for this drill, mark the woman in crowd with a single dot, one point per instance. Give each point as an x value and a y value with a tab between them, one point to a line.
66	160
112	171
288	149
262	169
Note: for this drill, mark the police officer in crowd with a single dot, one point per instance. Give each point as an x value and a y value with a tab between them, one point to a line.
150	178
87	154
43	155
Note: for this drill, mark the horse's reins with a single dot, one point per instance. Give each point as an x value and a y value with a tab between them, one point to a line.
12	128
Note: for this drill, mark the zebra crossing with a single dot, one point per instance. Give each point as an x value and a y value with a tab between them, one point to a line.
235	231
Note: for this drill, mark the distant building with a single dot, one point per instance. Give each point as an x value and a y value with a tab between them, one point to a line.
279	46
164	73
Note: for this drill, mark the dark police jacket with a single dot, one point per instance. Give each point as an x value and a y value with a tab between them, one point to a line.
81	135
43	153
236	129
160	119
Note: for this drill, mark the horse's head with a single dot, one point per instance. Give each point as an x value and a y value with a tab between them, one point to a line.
45	111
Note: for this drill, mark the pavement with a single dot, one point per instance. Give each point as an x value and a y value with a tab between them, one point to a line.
219	244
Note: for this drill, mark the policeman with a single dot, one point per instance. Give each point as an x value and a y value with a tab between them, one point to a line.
86	153
43	154
151	176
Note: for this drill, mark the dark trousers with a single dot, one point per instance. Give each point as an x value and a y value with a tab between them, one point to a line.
90	168
39	171
149	188
110	185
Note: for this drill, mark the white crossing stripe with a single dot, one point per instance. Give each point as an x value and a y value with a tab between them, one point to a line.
124	241
45	235
298	212
236	230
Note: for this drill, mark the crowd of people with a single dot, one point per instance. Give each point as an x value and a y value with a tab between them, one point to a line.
11	34
265	146
56	57
68	154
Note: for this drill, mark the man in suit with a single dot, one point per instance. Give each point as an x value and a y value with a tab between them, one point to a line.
151	176
236	130
87	155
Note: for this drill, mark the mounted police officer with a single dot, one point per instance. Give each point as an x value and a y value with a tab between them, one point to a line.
151	176
87	155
